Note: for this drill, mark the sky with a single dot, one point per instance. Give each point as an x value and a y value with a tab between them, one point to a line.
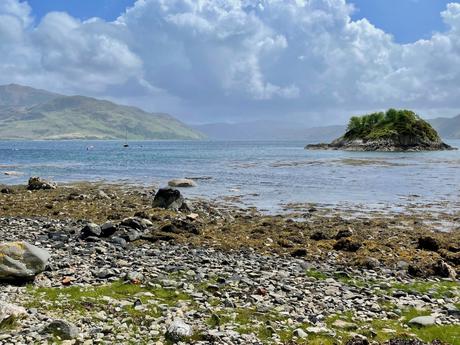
310	61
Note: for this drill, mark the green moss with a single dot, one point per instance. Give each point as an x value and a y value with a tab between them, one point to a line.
392	124
83	300
435	289
316	274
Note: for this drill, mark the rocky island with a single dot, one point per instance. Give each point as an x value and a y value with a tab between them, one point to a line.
394	130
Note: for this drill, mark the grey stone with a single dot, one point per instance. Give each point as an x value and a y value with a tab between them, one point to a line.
178	330
11	311
63	329
21	260
423	321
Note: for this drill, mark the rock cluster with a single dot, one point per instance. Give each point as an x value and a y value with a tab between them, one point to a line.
215	297
37	183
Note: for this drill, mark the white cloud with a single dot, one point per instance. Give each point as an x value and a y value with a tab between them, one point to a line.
210	59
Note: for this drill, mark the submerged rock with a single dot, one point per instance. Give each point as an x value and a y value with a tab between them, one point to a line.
183	182
21	261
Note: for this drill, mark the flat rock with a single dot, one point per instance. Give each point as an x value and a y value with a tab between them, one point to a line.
423	321
182	182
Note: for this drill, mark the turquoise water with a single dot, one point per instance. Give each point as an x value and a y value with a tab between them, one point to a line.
265	174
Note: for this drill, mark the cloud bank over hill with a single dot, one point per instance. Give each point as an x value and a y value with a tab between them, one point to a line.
235	60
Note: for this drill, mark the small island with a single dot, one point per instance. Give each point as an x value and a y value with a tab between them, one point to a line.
394	130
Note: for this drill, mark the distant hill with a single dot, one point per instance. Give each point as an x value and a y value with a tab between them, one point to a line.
448	128
269	130
27	113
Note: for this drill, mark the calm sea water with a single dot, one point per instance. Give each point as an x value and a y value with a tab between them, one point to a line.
265	174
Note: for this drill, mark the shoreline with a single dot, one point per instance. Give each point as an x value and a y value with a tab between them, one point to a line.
299	279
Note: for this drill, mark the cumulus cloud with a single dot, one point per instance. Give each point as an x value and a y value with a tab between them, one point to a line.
221	59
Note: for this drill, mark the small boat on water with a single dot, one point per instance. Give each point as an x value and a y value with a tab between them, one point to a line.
126	139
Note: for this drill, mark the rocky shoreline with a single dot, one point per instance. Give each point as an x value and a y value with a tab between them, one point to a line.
122	272
382	145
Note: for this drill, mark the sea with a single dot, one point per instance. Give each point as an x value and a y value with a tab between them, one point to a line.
268	175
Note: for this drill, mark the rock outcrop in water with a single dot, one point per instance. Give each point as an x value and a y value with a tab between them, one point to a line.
395	130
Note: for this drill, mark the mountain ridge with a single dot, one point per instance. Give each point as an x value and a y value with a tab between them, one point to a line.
28	113
448	128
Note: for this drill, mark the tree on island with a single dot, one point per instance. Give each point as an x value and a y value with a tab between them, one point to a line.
389	125
393	130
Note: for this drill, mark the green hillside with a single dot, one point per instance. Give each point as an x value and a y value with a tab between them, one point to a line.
78	117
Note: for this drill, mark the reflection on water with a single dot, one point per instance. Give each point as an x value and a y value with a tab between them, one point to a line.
261	173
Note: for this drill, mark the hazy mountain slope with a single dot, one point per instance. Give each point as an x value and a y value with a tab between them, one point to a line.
448	128
78	117
14	95
269	130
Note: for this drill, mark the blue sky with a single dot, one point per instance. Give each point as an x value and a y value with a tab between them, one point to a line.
406	20
240	60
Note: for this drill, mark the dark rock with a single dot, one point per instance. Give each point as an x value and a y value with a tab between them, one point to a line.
134	223
318	236
108	229
142	215
6	190
128	235
299	252
442	269
428	243
119	241
347	244
58	236
37	183
169	198
358	340
90	229
344	233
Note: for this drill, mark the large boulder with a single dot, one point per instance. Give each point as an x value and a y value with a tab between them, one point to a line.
169	198
21	261
182	182
36	183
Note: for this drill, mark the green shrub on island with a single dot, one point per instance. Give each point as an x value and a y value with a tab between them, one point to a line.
391	124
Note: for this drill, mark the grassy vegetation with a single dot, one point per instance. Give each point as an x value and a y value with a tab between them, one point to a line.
393	123
318	275
436	290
